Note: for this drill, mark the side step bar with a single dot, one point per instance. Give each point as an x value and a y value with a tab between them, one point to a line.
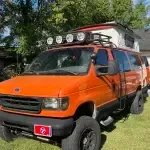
107	122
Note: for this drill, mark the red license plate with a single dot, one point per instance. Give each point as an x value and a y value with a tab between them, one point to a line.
43	130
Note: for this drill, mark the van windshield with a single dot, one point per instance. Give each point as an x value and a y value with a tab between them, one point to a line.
72	61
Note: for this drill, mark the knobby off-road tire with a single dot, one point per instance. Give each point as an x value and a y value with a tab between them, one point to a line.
137	106
86	135
6	134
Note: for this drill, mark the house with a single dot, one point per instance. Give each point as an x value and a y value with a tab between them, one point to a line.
7	57
144	43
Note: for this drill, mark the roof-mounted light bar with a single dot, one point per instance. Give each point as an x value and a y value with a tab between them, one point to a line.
59	39
81	36
50	41
78	38
69	38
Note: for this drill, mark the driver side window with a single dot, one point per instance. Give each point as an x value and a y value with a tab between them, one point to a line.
102	59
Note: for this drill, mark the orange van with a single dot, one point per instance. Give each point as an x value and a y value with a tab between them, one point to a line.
71	89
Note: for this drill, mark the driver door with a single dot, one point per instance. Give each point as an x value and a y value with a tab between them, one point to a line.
103	83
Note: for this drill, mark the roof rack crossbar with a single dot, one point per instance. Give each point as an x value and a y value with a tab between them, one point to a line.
103	40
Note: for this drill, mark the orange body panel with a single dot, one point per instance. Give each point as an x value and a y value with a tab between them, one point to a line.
79	89
148	75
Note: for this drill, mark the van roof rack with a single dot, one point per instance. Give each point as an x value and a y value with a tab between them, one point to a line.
80	38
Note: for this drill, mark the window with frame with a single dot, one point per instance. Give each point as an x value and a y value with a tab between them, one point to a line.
122	59
136	63
129	41
102	59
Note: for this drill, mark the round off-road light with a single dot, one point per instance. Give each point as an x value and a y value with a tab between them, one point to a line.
81	36
50	41
69	38
59	39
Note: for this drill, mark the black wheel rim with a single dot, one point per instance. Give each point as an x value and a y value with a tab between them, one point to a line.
88	140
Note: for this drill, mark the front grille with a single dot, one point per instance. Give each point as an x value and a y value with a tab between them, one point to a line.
23	104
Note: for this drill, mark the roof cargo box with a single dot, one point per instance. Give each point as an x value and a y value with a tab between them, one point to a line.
122	37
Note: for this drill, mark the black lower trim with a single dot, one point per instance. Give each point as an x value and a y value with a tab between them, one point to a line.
107	109
131	95
60	127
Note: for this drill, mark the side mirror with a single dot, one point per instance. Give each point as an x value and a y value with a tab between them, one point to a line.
93	57
111	69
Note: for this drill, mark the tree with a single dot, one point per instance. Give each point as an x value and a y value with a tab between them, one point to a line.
1	13
133	17
26	23
68	14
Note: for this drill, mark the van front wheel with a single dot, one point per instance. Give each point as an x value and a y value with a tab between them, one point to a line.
137	105
86	135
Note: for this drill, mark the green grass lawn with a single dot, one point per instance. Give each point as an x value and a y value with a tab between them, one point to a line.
130	134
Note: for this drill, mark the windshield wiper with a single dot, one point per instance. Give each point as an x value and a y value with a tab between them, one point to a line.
31	72
50	72
61	70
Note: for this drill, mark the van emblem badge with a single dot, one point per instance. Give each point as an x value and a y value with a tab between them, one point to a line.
17	89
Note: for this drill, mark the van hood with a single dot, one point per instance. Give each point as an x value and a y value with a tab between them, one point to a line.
43	86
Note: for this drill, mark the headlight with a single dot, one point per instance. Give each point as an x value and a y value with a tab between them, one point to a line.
56	103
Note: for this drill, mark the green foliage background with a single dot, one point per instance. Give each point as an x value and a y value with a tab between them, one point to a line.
32	21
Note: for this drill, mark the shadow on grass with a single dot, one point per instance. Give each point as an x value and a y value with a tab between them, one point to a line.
54	142
118	117
103	140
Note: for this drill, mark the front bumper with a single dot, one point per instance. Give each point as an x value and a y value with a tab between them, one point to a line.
60	127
